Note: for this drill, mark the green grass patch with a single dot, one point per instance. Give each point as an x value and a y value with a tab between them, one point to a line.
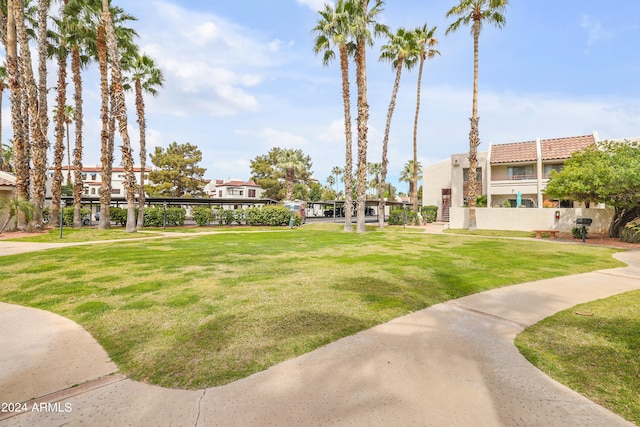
594	352
204	310
491	233
85	234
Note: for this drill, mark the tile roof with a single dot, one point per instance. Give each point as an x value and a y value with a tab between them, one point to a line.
514	152
552	149
562	148
6	183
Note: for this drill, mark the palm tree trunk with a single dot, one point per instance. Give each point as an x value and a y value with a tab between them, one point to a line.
106	156
20	153
348	165
474	138
363	118
143	150
414	194
385	141
39	147
41	119
121	113
58	152
77	151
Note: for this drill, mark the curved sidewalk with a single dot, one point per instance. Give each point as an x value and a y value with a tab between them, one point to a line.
452	364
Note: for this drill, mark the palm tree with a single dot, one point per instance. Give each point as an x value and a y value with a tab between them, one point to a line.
3	86
121	114
400	51
147	78
41	141
373	170
124	37
80	34
60	50
29	112
7	156
333	29
15	207
338	173
290	162
476	12
68	117
425	40
363	19
407	175
20	139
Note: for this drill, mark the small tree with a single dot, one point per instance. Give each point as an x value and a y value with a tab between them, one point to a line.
13	206
607	173
178	173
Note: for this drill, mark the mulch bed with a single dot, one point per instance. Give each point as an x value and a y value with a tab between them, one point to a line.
599	240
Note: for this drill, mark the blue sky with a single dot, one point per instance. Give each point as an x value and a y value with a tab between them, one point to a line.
241	78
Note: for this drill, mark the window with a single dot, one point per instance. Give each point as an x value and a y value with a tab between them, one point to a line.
115	191
93	176
465	174
520	172
252	193
93	191
550	168
219	193
84	175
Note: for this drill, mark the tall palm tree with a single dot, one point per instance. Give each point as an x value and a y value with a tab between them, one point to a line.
426	41
147	78
476	13
69	116
362	21
333	29
81	36
290	162
124	37
3	86
30	114
14	207
374	170
121	114
339	174
59	48
41	140
400	51
407	176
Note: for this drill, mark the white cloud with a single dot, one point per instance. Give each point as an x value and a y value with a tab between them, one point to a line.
595	30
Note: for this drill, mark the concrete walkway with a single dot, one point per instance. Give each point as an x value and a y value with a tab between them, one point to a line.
452	364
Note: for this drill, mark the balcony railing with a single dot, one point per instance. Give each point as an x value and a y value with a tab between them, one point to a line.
513	177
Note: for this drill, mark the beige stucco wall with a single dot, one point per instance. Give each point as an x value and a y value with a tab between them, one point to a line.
436	177
528	219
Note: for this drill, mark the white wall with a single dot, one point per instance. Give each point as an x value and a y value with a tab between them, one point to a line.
528	219
435	178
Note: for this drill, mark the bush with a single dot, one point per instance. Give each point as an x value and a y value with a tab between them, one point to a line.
576	232
118	215
506	204
297	219
631	232
481	201
429	213
396	217
202	215
67	216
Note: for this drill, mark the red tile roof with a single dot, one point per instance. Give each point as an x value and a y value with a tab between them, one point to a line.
563	148
552	149
6	183
514	152
221	183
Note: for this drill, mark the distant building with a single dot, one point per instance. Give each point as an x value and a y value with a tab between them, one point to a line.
234	189
92	179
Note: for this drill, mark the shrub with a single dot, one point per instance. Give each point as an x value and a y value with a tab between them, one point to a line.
429	213
297	219
481	201
506	204
576	232
118	215
202	215
396	217
276	215
67	216
631	232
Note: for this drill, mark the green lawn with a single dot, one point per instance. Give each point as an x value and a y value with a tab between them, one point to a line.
595	352
204	310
